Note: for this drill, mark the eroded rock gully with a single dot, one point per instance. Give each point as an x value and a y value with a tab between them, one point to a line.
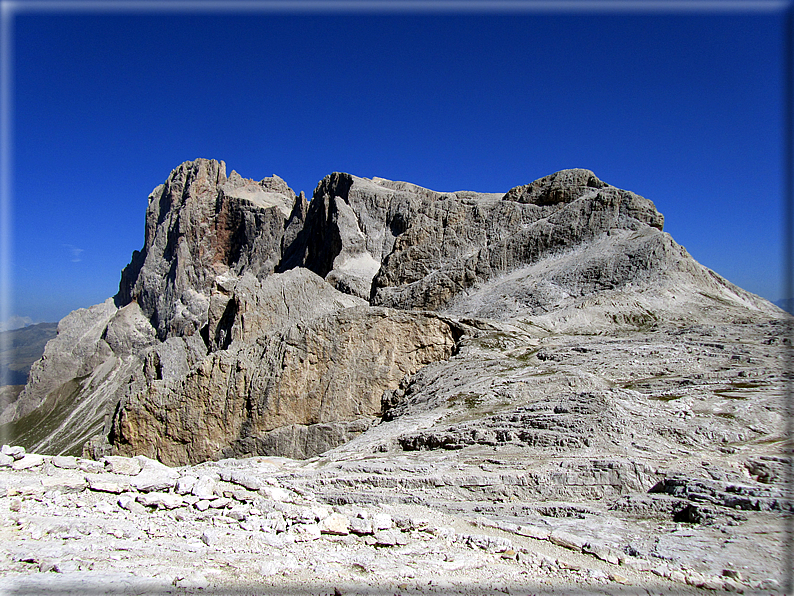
393	390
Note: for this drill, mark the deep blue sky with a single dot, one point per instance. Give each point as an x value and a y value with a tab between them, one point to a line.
684	109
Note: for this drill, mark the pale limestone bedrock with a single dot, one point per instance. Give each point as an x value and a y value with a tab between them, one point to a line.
122	465
30	460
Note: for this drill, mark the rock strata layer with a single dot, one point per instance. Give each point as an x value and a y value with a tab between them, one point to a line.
319	375
268	525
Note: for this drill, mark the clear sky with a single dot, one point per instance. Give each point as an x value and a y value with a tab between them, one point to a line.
684	108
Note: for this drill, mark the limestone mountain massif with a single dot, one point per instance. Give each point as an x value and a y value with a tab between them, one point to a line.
550	348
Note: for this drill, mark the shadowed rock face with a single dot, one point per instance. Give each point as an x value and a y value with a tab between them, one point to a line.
253	322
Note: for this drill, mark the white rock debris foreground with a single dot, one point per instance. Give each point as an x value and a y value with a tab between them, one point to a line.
135	526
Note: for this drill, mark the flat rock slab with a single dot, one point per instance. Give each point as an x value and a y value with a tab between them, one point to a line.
89	466
533	532
381	521
30	460
107	484
161	500
66	462
83	583
567	540
66	482
122	465
335	524
389	538
241	478
156	480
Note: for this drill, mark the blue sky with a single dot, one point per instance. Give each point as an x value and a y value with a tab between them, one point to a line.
684	108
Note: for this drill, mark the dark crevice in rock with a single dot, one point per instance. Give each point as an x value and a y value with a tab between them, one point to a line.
223	333
294	240
205	335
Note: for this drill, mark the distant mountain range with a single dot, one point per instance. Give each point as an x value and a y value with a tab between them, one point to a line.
24	347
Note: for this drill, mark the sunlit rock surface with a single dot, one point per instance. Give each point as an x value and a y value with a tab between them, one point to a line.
539	384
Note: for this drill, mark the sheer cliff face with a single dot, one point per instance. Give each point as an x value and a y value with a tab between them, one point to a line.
254	322
201	224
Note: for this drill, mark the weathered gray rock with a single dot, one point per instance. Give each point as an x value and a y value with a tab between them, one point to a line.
65	462
160	500
201	224
275	521
360	526
90	466
14	451
567	540
129	503
220	502
75	354
305	532
389	538
204	488
244	308
244	479
382	521
154	476
405	246
107	484
586	539
336	524
122	465
66	567
185	484
30	460
240	225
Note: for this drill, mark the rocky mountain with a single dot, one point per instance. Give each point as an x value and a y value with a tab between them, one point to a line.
254	322
547	352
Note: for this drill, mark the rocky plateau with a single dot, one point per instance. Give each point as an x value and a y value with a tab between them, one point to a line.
393	390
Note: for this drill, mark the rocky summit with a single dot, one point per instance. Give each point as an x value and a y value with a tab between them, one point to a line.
389	389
